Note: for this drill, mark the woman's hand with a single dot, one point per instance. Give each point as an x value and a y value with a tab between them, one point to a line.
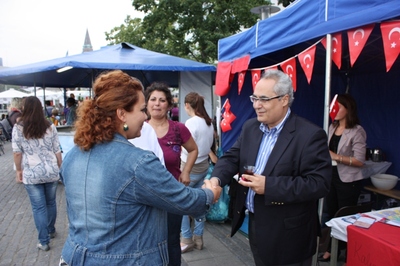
215	189
184	178
18	176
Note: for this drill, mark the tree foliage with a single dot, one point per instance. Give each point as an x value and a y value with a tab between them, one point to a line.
186	28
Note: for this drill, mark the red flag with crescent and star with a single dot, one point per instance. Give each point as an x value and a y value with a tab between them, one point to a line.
241	76
391	42
255	77
289	67
222	80
336	48
306	60
334	108
357	39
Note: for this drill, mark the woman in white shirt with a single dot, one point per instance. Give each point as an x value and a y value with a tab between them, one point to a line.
202	130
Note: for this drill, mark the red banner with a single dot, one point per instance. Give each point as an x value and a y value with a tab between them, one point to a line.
391	42
222	79
306	60
255	77
357	40
240	64
336	48
241	77
289	67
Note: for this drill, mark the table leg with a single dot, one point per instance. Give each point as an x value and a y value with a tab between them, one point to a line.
334	251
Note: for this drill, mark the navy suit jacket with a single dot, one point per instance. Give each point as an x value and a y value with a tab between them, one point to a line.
298	173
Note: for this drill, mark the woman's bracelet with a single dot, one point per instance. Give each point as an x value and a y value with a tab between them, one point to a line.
341	159
351	161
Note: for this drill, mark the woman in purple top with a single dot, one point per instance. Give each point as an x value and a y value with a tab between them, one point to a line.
172	135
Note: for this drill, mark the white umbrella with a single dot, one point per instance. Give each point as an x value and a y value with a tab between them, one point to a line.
12	93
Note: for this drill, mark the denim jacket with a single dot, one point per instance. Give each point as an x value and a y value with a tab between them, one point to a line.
118	197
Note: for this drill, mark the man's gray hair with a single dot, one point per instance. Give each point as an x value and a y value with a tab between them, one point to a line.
283	83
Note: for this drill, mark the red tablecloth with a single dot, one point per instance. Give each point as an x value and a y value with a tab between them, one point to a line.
379	245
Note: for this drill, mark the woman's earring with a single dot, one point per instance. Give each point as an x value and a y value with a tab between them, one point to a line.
126	127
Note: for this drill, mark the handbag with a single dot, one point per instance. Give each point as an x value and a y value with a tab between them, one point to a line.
219	210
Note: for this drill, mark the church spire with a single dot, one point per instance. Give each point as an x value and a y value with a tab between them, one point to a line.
87	46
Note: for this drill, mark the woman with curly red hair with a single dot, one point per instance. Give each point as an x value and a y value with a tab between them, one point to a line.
118	195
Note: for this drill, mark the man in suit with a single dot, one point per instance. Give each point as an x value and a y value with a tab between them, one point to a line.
292	171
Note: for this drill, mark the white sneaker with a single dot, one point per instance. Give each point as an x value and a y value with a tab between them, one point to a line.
43	247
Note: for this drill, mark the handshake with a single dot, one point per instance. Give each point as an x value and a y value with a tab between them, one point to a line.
214	186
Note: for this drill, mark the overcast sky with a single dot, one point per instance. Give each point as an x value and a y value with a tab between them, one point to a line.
36	30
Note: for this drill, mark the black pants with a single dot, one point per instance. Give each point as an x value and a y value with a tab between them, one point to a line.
256	252
340	195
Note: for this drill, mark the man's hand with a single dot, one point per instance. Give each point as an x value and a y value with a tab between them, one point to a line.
255	182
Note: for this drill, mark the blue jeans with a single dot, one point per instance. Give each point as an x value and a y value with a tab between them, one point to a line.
44	208
196	181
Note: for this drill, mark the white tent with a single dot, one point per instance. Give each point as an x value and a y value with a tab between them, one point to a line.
6	96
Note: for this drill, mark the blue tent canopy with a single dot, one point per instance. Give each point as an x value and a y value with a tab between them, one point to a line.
304	21
146	65
301	25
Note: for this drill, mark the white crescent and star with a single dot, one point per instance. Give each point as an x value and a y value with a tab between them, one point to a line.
396	29
305	58
358	30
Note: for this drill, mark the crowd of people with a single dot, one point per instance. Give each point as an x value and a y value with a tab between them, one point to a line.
147	205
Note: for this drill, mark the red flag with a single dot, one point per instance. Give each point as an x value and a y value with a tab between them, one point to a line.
225	126
255	77
226	105
228	116
336	48
334	108
306	60
222	85
391	42
240	64
241	76
357	40
289	67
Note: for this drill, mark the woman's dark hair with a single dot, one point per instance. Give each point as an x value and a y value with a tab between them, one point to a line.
159	86
350	104
97	120
32	118
196	101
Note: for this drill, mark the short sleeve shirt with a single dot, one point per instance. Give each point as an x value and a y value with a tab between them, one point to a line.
171	143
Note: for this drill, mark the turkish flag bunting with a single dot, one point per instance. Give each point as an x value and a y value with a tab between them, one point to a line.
336	48
391	42
334	108
357	40
255	77
240	64
222	85
289	67
306	60
241	76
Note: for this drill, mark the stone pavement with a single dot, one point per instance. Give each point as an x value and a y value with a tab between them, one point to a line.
18	235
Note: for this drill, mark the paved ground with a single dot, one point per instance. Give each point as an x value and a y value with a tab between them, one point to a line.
18	235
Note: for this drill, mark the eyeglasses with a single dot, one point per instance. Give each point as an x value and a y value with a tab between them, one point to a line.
263	99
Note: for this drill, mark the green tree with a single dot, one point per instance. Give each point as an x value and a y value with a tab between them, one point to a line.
186	28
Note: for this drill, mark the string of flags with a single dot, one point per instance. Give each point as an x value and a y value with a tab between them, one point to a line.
357	39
